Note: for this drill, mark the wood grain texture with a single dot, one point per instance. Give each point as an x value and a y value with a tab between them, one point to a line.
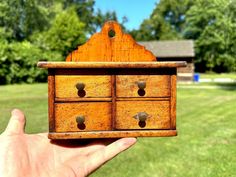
112	134
95	86
83	99
51	99
157	110
156	85
97	116
173	101
79	65
102	47
143	99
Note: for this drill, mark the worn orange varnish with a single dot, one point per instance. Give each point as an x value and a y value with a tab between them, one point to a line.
158	114
96	86
95	119
118	47
111	87
156	85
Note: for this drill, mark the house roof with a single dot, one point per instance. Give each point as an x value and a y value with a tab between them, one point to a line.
170	49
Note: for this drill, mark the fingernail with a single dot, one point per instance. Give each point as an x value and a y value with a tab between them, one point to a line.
17	114
15	111
130	141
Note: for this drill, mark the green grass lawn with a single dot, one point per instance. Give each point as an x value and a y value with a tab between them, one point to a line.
215	75
205	145
32	99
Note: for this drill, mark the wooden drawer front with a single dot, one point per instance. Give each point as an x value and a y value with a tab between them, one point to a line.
95	86
97	116
158	111
156	85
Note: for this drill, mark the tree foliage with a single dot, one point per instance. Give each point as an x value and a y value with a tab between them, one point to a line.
210	23
66	32
92	19
18	62
166	21
22	18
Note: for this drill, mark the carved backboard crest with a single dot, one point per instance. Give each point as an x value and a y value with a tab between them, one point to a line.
111	44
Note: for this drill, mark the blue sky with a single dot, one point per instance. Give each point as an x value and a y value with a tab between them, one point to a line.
135	10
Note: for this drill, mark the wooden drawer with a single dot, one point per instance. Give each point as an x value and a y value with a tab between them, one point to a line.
97	116
155	86
158	114
95	86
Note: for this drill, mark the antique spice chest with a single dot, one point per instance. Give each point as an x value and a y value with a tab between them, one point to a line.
111	87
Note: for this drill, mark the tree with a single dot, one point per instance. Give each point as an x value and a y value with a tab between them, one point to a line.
212	25
101	18
85	11
22	18
18	61
92	19
66	32
166	21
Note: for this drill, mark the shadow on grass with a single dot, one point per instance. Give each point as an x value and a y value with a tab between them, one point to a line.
227	86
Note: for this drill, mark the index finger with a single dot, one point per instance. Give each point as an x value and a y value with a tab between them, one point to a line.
105	154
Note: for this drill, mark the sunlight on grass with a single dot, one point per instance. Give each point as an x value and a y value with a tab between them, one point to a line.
32	99
215	75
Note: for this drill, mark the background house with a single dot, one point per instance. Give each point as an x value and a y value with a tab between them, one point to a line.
181	50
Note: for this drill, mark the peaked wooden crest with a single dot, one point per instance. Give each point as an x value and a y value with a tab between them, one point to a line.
111	44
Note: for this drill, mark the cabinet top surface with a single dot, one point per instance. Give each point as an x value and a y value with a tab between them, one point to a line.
44	64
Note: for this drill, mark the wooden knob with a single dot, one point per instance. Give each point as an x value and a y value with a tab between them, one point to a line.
80	86
141	116
80	119
141	85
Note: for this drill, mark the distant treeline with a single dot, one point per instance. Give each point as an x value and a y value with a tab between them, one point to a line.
34	30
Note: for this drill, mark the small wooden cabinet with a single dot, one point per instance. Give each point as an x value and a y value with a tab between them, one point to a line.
111	87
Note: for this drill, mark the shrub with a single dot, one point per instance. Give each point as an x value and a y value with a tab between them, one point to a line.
18	62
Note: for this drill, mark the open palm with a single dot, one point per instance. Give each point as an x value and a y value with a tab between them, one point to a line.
35	155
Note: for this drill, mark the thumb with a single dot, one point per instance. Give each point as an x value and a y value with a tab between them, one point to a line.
16	124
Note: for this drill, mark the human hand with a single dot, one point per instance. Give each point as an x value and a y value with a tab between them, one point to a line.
34	155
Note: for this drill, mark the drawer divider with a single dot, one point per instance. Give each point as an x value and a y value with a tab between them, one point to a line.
113	94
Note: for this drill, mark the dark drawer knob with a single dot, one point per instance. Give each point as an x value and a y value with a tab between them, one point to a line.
141	85
80	119
80	86
141	116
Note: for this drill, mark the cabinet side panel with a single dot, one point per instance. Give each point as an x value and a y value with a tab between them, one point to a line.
51	99
173	101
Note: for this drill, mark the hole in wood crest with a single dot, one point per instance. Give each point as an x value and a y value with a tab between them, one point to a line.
111	33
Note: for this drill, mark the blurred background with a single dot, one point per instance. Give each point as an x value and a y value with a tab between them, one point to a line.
201	32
